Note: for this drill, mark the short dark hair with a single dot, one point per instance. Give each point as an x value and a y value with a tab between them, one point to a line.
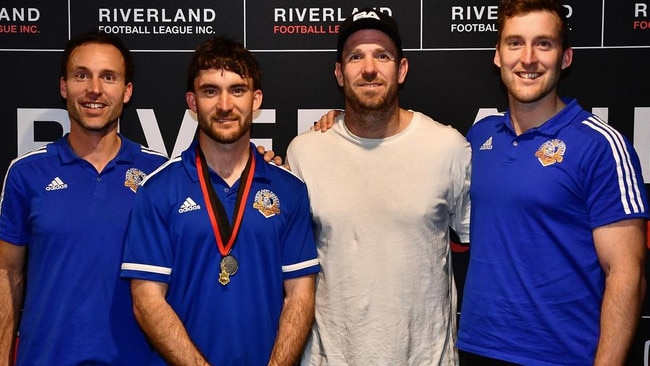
99	37
510	8
226	54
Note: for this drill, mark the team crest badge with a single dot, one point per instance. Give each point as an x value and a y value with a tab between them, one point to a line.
551	152
267	203
133	178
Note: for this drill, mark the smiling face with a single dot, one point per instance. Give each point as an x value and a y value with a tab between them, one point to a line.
370	71
95	87
224	103
530	56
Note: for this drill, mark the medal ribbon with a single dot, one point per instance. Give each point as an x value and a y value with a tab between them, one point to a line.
216	212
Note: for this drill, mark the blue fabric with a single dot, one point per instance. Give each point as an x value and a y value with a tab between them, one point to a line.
73	220
534	285
234	324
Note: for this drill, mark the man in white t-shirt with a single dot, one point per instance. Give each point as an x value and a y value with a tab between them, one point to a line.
385	184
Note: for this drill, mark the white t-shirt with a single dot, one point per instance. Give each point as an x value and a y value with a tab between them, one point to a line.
381	210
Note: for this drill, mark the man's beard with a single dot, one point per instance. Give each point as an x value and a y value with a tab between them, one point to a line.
228	137
375	102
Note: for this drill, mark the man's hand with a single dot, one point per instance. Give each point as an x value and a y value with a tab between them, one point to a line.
161	324
326	121
269	156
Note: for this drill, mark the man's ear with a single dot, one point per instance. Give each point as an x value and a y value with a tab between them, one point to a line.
190	98
63	88
338	72
567	58
128	92
497	57
402	70
257	99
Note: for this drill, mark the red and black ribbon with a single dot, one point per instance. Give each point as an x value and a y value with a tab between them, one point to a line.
224	234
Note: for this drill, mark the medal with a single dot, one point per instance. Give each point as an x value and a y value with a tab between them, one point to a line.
228	267
225	233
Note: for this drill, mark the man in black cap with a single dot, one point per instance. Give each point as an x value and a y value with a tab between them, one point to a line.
385	184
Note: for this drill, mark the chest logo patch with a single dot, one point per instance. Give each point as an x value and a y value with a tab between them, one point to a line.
267	203
551	152
133	178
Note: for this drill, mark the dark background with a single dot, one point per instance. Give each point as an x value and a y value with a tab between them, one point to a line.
451	75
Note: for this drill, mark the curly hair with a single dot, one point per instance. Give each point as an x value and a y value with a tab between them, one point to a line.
225	54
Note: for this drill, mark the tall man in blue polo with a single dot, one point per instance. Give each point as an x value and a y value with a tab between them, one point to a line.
64	211
220	249
559	210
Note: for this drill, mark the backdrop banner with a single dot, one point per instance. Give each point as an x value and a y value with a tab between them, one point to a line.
449	44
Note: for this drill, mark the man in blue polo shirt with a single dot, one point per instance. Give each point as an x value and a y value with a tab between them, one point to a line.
64	211
220	248
559	210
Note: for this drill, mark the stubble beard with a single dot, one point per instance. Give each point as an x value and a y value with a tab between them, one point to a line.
370	103
525	96
228	137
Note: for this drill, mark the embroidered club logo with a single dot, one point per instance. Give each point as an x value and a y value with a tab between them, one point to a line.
551	152
133	178
267	203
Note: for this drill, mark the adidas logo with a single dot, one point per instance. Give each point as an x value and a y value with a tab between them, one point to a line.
487	145
189	205
56	184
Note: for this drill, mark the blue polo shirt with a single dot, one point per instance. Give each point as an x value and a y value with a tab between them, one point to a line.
73	220
170	240
534	285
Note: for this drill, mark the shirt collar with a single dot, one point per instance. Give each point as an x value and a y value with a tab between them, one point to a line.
188	158
126	154
554	124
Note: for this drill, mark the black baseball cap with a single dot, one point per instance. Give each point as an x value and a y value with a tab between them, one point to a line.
368	18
